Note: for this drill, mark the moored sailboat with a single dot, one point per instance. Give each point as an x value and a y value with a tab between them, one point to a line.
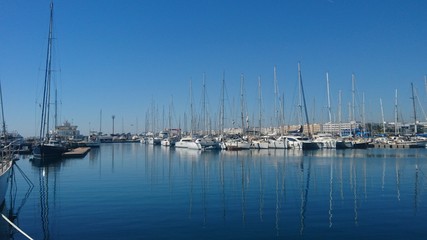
48	148
237	144
7	157
307	142
6	163
343	143
209	143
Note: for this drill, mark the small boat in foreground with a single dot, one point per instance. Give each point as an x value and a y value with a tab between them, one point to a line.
6	162
7	156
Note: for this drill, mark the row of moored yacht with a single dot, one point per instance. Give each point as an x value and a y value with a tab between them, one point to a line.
237	142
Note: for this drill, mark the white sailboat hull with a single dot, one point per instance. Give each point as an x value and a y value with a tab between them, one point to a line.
5	168
237	145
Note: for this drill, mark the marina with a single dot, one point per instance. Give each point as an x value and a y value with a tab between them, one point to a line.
239	157
142	191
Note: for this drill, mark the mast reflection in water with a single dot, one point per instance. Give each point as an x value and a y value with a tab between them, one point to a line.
137	191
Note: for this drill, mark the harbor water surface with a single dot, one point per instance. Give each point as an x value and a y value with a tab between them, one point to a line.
137	191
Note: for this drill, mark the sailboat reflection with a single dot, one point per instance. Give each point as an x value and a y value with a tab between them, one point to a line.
10	210
44	200
416	188
45	183
304	194
331	184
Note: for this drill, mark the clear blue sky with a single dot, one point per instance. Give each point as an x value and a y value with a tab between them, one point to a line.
125	56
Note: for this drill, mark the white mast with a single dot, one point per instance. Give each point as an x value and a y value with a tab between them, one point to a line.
339	111
204	119
170	116
276	92
353	115
363	112
382	115
222	111
260	104
300	118
191	110
100	121
395	114
349	112
3	123
329	98
242	102
415	112
282	114
303	98
353	93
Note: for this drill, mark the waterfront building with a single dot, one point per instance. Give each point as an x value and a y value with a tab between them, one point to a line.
67	131
335	128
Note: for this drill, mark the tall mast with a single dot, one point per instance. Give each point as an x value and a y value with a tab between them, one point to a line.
329	98
276	116
242	101
100	121
339	111
415	112
349	112
3	123
382	115
204	105
191	110
300	118
353	93
153	116
221	120
303	98
282	114
55	117
395	113
170	115
163	118
137	126
44	124
363	112
260	104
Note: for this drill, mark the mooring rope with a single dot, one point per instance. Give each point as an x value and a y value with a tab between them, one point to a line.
16	227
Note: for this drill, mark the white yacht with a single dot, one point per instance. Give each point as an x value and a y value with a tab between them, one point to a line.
188	142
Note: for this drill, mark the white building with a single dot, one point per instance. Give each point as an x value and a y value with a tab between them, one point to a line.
67	131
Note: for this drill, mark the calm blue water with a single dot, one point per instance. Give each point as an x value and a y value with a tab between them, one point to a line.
134	191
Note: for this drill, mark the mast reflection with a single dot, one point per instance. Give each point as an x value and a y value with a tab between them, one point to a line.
47	178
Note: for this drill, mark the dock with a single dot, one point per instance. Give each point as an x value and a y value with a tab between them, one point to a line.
76	152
